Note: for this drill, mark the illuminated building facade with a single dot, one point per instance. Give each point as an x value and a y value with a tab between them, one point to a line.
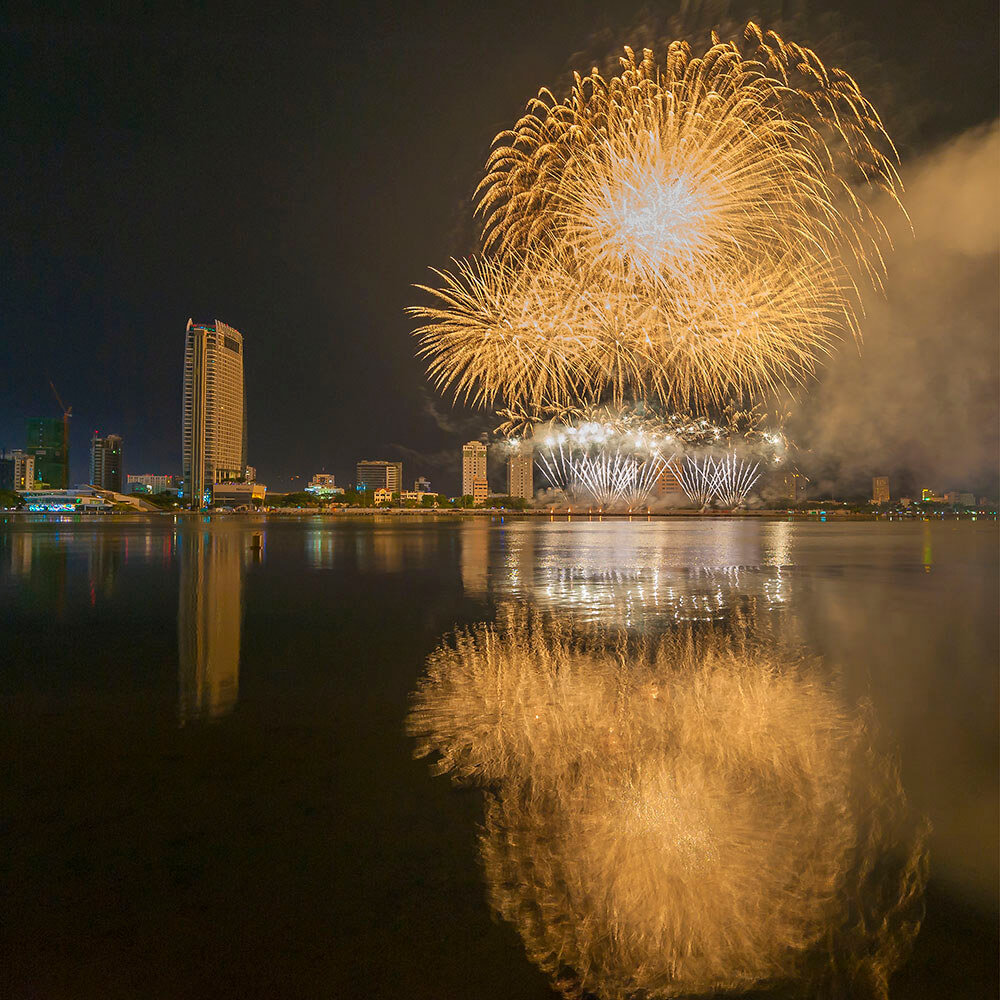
520	482
215	429
473	467
48	443
880	489
669	482
106	461
323	485
422	485
150	483
379	474
17	471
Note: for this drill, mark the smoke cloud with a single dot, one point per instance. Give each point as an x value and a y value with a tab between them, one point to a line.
919	401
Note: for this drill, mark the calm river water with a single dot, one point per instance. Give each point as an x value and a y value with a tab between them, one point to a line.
209	787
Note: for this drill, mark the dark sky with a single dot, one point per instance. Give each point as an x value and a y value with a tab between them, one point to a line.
293	175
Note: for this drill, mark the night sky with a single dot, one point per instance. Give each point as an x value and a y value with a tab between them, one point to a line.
293	176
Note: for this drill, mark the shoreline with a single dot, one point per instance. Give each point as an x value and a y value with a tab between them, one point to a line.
551	514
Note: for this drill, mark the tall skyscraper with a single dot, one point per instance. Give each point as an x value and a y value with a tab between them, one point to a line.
215	424
794	484
106	462
520	482
47	441
880	489
473	466
17	471
377	474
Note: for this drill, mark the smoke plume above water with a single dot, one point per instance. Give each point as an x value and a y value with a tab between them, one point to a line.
695	814
919	402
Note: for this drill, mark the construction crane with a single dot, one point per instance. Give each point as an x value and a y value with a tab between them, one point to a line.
67	413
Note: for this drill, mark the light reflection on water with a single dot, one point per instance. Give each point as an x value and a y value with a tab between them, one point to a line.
675	816
630	573
901	614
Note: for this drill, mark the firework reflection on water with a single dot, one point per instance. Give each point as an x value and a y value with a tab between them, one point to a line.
693	814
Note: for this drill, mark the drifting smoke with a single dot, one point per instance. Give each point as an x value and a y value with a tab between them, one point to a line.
685	816
922	404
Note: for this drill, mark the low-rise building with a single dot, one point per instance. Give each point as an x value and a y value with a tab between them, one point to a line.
422	485
954	497
238	494
323	485
151	483
382	495
81	500
414	496
480	489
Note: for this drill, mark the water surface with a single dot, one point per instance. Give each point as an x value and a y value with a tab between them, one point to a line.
208	790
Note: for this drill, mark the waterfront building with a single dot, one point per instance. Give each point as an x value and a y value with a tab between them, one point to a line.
48	442
954	497
374	474
880	489
106	462
238	494
519	476
480	490
930	496
383	495
415	496
251	474
473	467
214	441
81	499
150	483
422	485
17	471
323	485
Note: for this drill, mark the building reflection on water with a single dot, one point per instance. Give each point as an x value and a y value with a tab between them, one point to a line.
210	616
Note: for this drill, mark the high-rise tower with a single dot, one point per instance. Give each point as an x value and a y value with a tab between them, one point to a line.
106	462
474	468
215	428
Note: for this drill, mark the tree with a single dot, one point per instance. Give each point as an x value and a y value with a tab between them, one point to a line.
8	498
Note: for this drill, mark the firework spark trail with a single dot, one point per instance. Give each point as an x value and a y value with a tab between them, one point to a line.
614	458
698	480
734	478
694	230
694	815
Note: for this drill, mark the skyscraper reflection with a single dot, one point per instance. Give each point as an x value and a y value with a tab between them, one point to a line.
209	619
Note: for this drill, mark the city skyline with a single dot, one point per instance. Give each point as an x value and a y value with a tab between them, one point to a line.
119	271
